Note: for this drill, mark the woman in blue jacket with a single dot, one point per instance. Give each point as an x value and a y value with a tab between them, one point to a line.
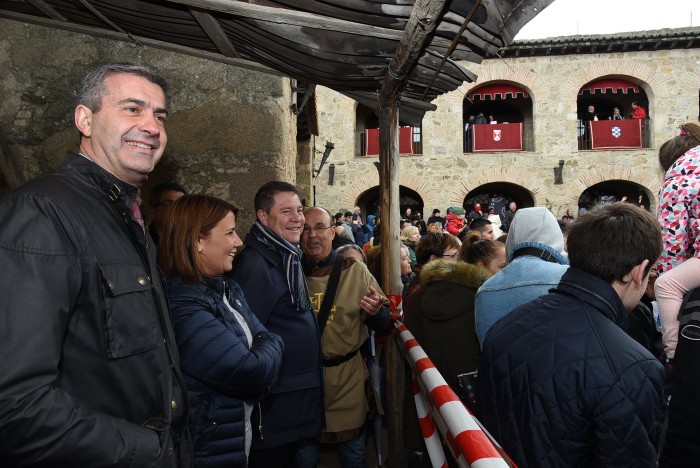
228	358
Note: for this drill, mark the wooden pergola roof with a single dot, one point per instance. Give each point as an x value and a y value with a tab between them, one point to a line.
345	45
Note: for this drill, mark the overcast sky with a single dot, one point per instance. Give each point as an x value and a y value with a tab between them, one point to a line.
571	17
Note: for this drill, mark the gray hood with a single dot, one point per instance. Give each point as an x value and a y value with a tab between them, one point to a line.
535	227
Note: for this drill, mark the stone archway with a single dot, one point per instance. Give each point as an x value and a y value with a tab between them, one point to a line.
368	201
638	178
425	189
512	177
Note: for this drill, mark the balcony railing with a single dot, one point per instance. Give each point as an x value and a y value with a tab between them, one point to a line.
614	134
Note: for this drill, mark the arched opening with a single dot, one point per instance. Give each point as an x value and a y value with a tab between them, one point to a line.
368	201
611	191
367	134
498	195
601	126
506	105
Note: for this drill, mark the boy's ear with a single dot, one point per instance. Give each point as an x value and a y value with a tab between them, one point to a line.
638	273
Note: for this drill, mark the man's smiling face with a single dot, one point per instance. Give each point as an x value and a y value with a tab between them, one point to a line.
126	136
286	217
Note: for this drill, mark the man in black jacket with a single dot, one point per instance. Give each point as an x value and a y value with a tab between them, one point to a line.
561	383
90	375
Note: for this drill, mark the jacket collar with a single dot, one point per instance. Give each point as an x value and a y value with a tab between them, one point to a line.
560	259
309	265
594	292
454	271
117	191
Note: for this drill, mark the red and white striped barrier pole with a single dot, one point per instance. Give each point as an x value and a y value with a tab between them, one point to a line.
472	446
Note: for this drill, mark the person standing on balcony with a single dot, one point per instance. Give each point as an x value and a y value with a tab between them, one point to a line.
469	133
480	119
638	111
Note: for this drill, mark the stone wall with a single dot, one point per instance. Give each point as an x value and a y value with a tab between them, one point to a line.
443	175
230	129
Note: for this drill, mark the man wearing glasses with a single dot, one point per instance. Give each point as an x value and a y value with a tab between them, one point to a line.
359	303
162	197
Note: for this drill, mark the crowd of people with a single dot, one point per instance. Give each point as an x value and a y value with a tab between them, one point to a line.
177	344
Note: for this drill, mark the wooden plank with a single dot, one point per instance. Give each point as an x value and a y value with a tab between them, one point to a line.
420	25
212	28
102	17
47	9
107	34
296	18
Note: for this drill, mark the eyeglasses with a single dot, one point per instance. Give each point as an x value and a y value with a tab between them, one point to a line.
452	255
405	257
317	229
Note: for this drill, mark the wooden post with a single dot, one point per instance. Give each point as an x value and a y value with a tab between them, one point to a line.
423	20
391	278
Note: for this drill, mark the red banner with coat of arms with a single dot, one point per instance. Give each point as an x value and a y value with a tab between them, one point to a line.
498	137
616	134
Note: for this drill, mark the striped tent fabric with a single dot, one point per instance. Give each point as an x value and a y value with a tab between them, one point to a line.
440	410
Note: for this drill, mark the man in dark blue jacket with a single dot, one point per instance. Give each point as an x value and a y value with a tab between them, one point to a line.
269	272
562	384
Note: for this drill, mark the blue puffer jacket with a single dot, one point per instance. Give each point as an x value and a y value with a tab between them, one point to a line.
561	384
220	370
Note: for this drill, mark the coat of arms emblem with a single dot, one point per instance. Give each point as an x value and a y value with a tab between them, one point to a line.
496	135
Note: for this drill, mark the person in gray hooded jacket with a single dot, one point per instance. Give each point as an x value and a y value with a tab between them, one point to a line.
535	265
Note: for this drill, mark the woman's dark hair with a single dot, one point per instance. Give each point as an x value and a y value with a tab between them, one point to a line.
191	218
435	244
475	249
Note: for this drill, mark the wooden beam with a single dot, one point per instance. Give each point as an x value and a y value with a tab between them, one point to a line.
213	29
292	17
421	24
102	17
47	9
114	35
453	45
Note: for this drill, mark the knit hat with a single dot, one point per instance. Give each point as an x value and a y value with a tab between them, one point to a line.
534	227
456	210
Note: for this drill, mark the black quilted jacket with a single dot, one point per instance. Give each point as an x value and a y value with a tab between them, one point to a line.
562	385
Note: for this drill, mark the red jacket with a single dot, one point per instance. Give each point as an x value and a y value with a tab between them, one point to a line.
454	224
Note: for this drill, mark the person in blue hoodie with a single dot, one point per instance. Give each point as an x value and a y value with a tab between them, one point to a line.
535	264
229	360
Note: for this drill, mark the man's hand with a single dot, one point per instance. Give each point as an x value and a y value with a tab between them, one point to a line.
372	302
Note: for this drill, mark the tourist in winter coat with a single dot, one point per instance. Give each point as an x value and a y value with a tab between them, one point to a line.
560	382
447	315
228	358
535	265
